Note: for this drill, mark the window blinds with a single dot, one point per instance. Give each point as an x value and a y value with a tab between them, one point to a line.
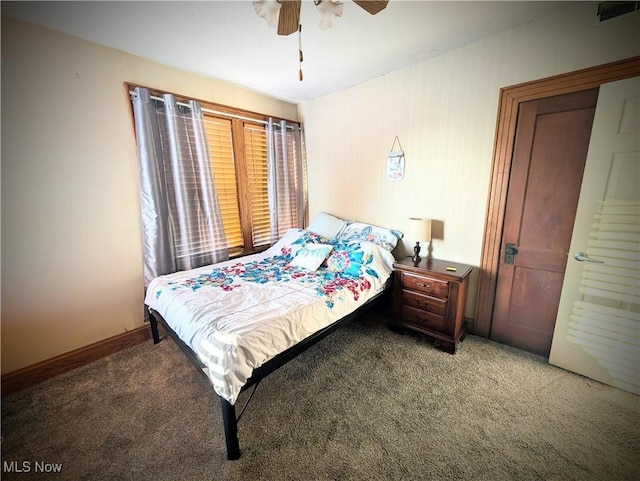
219	138
255	139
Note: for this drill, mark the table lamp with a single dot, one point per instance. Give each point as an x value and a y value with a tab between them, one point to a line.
421	231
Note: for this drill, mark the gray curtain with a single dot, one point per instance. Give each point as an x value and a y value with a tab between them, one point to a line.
287	201
182	226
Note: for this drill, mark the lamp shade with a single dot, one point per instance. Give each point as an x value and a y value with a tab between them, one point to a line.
420	228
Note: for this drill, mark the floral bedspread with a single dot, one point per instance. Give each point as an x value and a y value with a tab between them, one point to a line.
238	314
351	270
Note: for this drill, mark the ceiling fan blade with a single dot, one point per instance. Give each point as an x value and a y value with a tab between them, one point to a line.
372	6
289	17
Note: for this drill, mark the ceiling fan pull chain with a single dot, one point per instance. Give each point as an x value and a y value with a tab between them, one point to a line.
301	58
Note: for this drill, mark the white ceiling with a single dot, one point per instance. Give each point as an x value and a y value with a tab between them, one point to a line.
228	41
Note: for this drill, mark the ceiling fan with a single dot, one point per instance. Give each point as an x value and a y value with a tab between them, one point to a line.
286	13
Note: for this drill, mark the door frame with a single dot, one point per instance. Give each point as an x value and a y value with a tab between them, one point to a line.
509	101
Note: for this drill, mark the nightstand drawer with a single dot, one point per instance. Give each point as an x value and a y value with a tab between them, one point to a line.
426	303
421	318
427	285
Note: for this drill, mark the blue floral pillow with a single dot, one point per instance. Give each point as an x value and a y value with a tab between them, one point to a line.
358	232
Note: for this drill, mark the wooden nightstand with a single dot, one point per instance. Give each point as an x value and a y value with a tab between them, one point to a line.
430	299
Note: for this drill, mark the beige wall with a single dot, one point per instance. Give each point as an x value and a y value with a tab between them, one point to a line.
444	112
71	248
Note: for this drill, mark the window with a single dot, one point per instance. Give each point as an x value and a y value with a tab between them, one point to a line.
239	155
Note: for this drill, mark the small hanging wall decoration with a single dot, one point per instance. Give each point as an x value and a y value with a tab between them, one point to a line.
395	162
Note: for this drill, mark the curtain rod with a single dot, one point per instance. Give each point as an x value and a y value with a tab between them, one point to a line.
215	112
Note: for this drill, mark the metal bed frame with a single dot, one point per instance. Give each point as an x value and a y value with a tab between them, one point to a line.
229	417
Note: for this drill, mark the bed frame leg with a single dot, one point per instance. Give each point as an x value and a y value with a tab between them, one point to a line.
153	323
230	429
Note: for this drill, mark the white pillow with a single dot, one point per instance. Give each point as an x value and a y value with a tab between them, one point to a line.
311	256
327	225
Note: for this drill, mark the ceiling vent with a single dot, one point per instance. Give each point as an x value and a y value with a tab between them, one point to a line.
607	11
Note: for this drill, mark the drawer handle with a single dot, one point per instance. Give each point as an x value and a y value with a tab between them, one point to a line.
424	284
422	304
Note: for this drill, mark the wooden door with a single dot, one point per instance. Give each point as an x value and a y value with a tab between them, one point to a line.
550	149
597	332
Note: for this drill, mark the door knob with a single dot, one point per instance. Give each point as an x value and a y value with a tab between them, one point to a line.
509	253
584	257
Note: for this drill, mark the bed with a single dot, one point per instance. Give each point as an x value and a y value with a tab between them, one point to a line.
240	320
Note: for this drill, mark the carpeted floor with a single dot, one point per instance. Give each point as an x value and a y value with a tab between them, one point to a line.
364	404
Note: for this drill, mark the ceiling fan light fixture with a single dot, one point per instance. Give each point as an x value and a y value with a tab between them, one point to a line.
329	10
285	15
269	10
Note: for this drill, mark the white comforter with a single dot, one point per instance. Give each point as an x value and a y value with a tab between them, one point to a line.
238	314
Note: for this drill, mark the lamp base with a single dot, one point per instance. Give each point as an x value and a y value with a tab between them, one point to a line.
416	250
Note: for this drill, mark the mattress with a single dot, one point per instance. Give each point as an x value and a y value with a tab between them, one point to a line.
238	314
